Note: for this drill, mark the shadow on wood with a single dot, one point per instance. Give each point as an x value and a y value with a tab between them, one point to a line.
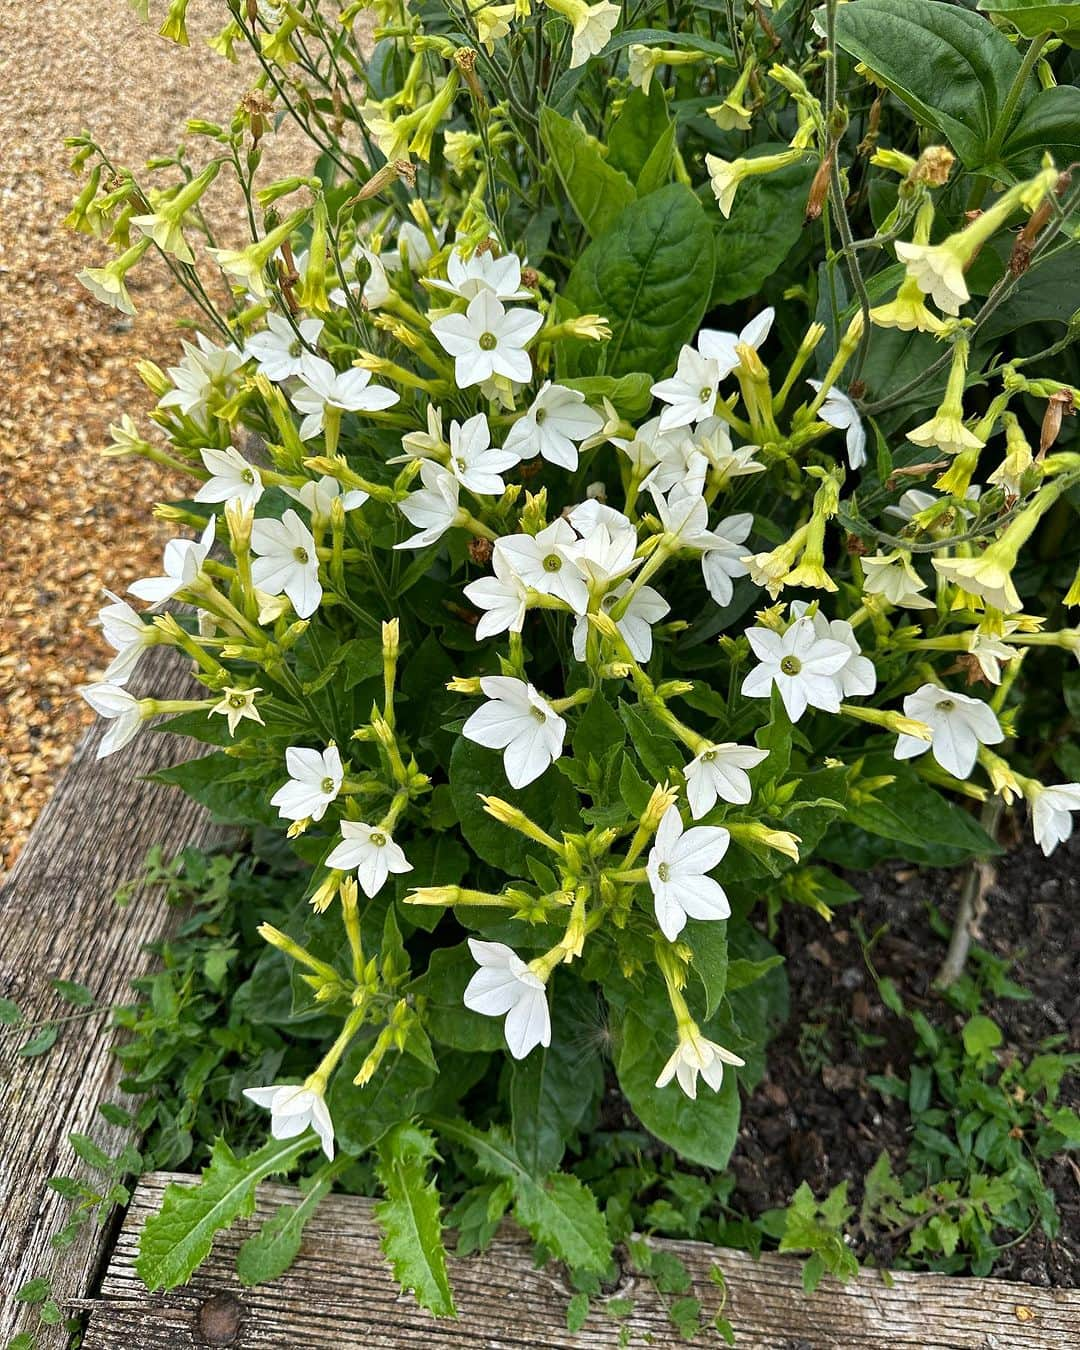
339	1293
58	921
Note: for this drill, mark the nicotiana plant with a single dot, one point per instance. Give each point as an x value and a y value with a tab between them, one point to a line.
628	471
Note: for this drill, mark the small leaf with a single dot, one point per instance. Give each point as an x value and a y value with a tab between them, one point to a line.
981	1035
76	994
10	1013
92	1154
577	1310
34	1291
44	1040
272	1250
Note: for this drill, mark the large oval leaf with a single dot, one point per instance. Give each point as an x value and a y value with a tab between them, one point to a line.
952	68
596	190
767	218
1033	17
650	276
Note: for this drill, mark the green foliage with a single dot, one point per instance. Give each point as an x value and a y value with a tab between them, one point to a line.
410	1218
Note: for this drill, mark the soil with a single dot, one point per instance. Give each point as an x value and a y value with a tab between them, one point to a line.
824	1125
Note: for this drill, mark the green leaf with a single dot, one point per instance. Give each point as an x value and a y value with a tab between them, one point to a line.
362	1115
76	994
641	124
90	1153
597	192
560	1213
649	276
981	1035
553	1088
550	802
577	1311
178	1238
708	943
410	1218
1033	17
10	1013
234	794
38	1044
1049	122
630	394
656	170
272	1250
767	219
34	1291
598	731
701	1131
952	68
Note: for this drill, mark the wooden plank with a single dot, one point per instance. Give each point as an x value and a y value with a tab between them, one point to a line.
58	920
339	1293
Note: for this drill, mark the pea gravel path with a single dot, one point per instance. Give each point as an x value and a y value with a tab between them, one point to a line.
73	522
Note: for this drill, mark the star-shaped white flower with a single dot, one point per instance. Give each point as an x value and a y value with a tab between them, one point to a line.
287	561
467	277
504	986
277	350
232	478
556	423
719	773
1051	813
502	597
236	706
938	271
369	850
121	708
606	542
720	346
293	1109
548	562
678	863
203	369
322	387
474	461
893	576
857	675
319	494
803	667
646	608
128	636
838	411
520	723
315	778
691	392
959	725
488	340
182	561
434	508
695	1054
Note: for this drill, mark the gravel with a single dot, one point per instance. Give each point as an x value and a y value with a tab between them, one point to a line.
74	522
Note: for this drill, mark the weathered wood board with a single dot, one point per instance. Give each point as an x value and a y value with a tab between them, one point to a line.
58	920
339	1293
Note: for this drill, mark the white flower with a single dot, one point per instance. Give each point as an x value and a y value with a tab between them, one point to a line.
691	392
696	1054
893	576
938	271
128	636
1051	813
319	495
990	650
277	349
547	562
488	340
519	722
182	560
376	290
912	502
646	608
713	439
719	771
677	865
720	346
593	27
650	445
482	272
413	246
724	549
232	478
554	425
434	509
120	708
958	723
203	369
605	552
502	597
474	461
838	411
236	705
857	675
505	986
678	463
315	778
321	387
371	851
293	1109
803	667
287	562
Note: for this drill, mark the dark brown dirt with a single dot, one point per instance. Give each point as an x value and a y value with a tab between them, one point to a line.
816	1119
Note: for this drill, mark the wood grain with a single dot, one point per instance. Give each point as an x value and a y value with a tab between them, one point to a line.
339	1294
58	920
